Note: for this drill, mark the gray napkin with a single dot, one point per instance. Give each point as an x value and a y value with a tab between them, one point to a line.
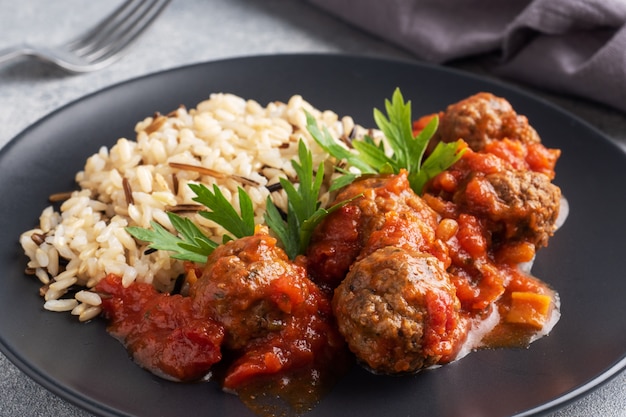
575	47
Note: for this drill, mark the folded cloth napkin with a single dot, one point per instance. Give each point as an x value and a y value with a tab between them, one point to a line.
575	47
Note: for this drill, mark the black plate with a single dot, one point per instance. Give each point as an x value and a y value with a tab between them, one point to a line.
84	365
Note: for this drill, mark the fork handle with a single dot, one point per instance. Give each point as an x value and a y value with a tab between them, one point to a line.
15	51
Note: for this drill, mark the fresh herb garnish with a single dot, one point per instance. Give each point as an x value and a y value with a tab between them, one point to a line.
407	150
304	211
223	213
190	243
330	145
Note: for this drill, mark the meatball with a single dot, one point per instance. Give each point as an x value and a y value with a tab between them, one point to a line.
481	119
398	311
387	213
243	288
518	205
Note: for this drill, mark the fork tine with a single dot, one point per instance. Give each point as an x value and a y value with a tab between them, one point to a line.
131	35
108	28
106	24
113	40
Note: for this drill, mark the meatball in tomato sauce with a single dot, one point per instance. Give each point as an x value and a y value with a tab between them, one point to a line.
385	212
518	205
481	119
399	312
251	288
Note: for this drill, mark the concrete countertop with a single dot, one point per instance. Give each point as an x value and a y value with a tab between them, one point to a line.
193	31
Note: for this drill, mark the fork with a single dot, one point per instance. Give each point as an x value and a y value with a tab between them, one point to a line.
101	45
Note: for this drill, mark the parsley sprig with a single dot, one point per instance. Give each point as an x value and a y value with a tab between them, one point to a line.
407	150
223	213
190	243
304	211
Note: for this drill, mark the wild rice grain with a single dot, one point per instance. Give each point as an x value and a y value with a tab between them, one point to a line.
57	197
128	192
38	238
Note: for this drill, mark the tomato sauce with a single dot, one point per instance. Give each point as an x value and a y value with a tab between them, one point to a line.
488	247
162	332
277	346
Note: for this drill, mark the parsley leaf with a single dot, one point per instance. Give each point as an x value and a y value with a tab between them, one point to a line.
407	150
192	245
285	231
303	208
223	213
330	145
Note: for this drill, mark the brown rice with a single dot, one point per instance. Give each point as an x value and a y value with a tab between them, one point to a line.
234	142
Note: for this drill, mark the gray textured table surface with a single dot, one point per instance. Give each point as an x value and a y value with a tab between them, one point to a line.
192	31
